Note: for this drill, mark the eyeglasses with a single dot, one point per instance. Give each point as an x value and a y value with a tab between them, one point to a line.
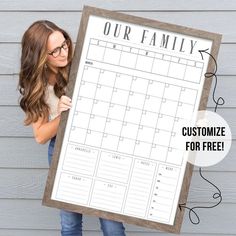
57	51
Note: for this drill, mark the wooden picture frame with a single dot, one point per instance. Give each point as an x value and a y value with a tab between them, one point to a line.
147	27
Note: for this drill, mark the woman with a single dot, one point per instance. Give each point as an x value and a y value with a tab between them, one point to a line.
45	62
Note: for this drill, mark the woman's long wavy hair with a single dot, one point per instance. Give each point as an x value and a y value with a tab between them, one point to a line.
34	72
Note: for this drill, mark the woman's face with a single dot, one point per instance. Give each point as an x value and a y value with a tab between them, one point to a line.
57	50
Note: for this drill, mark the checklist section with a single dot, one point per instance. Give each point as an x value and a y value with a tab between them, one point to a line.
163	195
139	188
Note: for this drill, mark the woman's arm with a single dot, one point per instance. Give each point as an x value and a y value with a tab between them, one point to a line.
44	129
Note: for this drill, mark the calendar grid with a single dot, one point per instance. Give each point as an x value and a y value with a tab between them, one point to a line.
135	136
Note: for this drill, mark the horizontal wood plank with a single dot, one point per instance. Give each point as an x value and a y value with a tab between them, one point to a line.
29	214
10	59
217	22
12	123
22	153
150	5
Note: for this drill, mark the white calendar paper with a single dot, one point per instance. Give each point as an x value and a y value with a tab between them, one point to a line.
135	86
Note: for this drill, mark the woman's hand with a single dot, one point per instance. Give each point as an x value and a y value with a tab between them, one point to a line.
64	104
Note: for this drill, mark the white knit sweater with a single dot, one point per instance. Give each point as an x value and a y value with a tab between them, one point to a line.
52	100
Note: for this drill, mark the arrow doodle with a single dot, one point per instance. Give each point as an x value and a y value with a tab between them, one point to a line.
220	101
192	210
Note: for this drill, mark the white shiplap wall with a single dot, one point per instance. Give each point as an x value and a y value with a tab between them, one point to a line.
23	163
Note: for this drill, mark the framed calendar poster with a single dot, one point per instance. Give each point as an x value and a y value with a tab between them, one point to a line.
133	81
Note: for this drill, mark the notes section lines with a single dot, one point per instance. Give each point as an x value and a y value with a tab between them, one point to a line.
74	189
131	115
114	167
77	158
140	186
145	60
107	196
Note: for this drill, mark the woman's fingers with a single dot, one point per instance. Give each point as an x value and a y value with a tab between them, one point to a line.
65	100
64	104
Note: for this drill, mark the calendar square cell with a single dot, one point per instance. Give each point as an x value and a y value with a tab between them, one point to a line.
160	67
176	70
97	123
81	120
162	138
107	78
169	107
159	153
87	89
146	134
193	74
175	156
100	108
95	52
129	131
144	63
133	115
126	146
94	138
188	96
165	122
153	104
185	111
112	56
128	59
156	89
149	119
78	135
84	104
116	112
104	93
123	82
143	149
136	100
110	142
91	74
113	127
120	97
139	85
172	92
